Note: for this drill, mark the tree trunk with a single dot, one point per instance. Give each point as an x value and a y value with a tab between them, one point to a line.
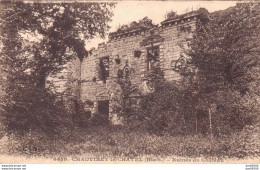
210	124
41	80
196	123
77	101
79	81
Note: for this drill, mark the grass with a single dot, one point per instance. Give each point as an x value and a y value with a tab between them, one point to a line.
112	141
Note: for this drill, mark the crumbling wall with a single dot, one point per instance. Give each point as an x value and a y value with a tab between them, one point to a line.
172	36
176	33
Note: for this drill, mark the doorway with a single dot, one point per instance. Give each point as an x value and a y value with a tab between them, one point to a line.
103	109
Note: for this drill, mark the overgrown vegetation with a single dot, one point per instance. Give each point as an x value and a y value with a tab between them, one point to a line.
37	40
221	97
120	142
214	113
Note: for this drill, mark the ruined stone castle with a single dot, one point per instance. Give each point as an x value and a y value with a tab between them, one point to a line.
133	50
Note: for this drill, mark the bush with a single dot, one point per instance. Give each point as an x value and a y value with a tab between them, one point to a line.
34	109
99	119
182	111
162	111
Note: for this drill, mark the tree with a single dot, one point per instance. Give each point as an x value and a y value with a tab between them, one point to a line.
60	28
123	98
225	50
37	40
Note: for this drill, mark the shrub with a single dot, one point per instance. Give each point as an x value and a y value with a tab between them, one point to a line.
32	109
99	119
182	111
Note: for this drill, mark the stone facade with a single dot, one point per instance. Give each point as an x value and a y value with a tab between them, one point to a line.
128	50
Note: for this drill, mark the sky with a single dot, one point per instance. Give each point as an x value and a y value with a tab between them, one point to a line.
127	11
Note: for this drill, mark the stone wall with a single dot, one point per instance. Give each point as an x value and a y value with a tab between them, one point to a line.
174	38
170	37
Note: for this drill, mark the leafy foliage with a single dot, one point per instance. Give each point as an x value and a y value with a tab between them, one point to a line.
60	28
221	94
225	51
37	40
123	102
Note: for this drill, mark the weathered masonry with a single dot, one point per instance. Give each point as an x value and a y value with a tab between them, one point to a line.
128	51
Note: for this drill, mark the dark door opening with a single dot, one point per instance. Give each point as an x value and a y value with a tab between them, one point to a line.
103	109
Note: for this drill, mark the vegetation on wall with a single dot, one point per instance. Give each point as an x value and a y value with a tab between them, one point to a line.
214	113
143	24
